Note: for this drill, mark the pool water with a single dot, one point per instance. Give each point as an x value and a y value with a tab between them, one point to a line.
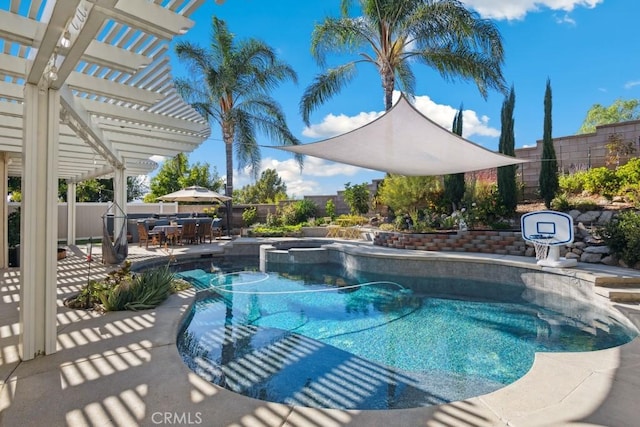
314	336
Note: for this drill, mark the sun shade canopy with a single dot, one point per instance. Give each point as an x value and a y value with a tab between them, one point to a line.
405	142
109	62
194	194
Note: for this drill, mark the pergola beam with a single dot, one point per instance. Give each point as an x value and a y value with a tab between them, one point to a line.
80	121
148	17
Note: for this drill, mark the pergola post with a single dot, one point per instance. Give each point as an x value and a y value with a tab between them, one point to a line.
4	212
71	212
39	227
120	198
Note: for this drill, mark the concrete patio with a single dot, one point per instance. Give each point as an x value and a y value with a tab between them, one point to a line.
123	369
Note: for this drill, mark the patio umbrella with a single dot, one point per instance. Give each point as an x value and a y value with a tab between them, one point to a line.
194	194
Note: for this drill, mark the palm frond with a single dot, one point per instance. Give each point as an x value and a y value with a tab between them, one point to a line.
406	77
324	87
340	36
468	65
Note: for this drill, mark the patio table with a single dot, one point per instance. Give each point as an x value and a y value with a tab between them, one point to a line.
169	232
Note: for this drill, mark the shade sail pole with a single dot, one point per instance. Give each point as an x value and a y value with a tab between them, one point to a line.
39	225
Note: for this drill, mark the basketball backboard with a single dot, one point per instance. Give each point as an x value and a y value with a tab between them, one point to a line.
552	229
555	228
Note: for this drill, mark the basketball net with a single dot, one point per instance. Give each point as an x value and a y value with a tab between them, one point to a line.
541	244
542	249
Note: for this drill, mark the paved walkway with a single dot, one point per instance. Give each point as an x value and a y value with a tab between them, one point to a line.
123	369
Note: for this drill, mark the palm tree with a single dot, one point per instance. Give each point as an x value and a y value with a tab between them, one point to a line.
392	34
229	85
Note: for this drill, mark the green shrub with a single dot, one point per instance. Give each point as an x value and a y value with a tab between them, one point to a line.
121	290
250	216
387	227
351	220
273	220
330	208
631	194
147	290
572	183
282	231
357	198
622	236
483	205
601	181
211	212
584	204
561	202
629	173
298	212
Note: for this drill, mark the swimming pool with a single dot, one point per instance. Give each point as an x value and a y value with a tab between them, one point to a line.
321	336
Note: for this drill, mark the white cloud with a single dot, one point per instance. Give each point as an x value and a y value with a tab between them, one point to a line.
629	85
336	125
441	114
517	9
157	159
444	114
302	183
566	19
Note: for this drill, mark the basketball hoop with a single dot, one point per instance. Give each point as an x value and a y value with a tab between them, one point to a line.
547	231
541	245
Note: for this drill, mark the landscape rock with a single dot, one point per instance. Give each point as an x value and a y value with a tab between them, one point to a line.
593	240
574	213
530	252
582	231
605	217
572	255
590	258
580	245
577	251
588	217
610	260
597	250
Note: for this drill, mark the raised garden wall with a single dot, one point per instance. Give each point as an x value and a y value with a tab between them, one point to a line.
482	241
587	246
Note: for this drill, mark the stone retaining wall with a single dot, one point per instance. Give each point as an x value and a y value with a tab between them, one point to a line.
587	246
482	241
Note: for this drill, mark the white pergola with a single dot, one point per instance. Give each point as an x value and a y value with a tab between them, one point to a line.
85	91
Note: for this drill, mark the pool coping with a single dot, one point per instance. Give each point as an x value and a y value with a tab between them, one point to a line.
123	369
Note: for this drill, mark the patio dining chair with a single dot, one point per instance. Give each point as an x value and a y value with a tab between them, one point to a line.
145	235
189	230
216	228
203	230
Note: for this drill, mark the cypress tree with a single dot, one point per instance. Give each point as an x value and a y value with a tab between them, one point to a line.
454	183
507	174
549	167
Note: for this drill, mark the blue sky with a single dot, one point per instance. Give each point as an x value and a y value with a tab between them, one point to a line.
588	48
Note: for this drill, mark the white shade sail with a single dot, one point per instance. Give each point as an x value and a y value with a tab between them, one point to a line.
405	142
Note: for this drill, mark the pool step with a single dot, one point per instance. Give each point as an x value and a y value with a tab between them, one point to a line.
620	294
618	281
619	288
